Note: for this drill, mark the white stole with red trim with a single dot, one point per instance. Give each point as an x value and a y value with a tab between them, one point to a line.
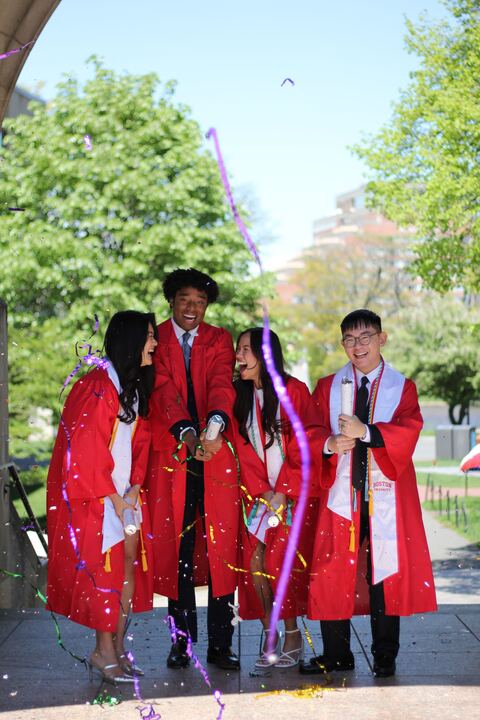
121	451
383	522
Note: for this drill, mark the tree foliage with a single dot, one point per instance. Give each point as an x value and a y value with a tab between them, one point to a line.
103	226
334	280
424	162
436	344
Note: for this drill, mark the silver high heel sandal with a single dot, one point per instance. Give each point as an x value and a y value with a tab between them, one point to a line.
266	660
291	658
111	679
130	669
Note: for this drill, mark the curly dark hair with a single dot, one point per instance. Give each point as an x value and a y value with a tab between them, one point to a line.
125	339
244	388
190	277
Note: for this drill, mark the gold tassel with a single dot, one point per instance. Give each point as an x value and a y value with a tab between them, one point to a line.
143	552
352	537
107	566
370	502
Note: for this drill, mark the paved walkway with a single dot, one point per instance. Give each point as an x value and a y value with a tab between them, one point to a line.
438	667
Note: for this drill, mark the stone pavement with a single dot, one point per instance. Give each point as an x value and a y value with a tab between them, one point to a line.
438	667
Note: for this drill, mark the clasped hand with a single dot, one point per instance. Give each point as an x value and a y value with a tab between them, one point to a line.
120	504
200	448
351	428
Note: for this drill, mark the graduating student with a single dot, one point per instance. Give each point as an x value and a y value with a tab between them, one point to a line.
370	524
270	468
193	491
96	474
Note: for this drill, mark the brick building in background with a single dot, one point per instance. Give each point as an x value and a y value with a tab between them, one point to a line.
352	223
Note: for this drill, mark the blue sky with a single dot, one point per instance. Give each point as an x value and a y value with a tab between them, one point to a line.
284	146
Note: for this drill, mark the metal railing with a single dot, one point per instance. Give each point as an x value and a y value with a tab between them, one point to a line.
442	502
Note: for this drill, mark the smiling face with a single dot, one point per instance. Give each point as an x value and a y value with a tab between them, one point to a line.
248	365
365	357
188	307
149	347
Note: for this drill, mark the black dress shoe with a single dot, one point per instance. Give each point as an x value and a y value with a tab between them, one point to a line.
321	664
223	658
384	666
177	657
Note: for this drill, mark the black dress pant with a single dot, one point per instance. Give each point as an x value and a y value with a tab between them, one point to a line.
184	610
385	628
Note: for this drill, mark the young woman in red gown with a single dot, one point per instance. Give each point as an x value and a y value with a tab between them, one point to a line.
270	469
96	571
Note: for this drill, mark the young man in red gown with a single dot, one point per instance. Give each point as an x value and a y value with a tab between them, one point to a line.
370	552
193	492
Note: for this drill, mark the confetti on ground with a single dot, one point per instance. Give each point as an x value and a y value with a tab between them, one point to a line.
103	698
306	692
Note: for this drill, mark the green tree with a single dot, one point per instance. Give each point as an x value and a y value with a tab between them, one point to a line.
102	226
436	344
369	271
424	162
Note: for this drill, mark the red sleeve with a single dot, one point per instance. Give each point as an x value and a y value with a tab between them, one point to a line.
400	435
167	405
220	391
290	476
140	451
86	429
326	464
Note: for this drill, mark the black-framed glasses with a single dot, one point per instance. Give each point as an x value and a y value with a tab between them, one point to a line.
364	339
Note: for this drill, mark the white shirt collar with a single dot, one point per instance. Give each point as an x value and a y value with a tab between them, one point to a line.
180	332
371	375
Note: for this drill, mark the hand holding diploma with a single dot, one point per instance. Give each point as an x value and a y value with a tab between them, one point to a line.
351	426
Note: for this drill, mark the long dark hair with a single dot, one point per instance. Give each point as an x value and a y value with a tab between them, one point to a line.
244	388
125	339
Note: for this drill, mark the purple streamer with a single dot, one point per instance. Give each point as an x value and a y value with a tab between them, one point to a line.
212	133
175	633
287	80
15	50
286	403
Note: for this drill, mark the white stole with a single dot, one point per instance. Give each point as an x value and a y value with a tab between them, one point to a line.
383	523
121	451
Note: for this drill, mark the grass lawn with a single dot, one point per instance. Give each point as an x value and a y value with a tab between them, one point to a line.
472	507
450	481
34	482
439	463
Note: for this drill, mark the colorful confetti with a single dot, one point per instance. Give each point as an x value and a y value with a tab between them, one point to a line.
87	141
175	634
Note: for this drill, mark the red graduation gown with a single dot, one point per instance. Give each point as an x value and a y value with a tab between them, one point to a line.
89	417
211	366
254	478
337	586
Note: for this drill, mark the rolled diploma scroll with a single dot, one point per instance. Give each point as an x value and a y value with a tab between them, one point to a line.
213	428
129	524
347	396
274	520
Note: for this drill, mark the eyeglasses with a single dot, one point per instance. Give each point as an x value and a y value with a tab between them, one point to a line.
364	339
